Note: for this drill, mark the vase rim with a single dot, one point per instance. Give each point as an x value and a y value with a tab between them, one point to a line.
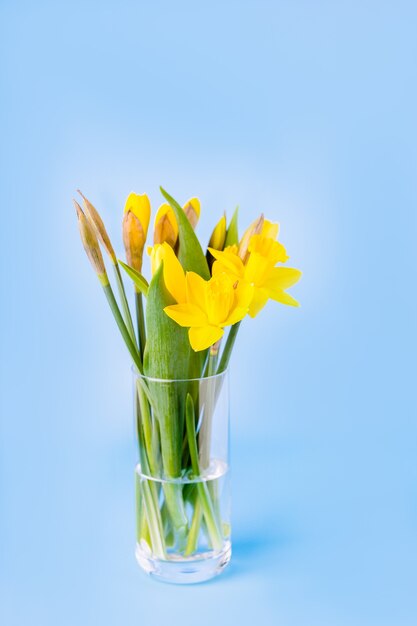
153	379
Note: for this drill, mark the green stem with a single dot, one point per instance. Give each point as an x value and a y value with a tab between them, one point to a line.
227	351
192	541
202	489
172	491
142	528
175	505
206	425
122	327
140	318
148	429
150	495
153	516
125	304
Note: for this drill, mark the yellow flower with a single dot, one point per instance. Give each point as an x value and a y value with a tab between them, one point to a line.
192	210
137	213
209	307
258	269
166	227
218	236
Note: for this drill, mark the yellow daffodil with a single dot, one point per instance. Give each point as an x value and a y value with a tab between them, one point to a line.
210	306
137	213
258	269
218	236
192	210
166	227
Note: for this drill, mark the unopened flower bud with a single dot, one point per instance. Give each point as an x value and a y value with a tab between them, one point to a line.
218	236
91	245
134	240
166	227
96	220
192	211
141	207
254	229
137	213
156	254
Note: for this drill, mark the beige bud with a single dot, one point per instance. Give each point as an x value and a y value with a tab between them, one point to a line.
91	244
98	223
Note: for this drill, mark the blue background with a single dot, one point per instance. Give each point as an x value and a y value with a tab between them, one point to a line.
303	110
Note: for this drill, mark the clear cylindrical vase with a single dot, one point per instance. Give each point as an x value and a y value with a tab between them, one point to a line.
183	532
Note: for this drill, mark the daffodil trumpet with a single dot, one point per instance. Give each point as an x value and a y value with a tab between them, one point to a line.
188	313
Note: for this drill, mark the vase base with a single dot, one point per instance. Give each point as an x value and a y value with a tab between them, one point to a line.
185	570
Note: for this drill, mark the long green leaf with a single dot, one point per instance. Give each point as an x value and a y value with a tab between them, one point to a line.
139	280
168	350
190	253
167	357
232	234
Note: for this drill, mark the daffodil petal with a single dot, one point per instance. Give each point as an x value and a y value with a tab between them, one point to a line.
260	298
187	315
282	278
272	250
227	261
236	316
243	294
195	289
174	275
270	230
257	269
284	298
204	337
220	296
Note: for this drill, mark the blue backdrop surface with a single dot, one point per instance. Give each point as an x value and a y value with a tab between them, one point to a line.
303	110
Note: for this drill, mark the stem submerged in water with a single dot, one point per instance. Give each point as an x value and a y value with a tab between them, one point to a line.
202	489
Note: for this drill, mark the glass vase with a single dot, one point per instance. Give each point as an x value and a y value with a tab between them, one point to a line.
183	532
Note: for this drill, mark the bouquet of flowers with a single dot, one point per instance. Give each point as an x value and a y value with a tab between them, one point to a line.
180	339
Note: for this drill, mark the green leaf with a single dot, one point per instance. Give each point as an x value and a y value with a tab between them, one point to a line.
139	280
190	253
167	357
168	349
232	235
